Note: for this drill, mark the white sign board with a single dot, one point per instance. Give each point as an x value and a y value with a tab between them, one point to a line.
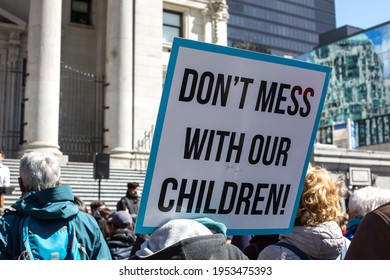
233	138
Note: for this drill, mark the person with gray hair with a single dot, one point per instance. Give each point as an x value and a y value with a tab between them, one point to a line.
372	238
45	199
39	171
361	202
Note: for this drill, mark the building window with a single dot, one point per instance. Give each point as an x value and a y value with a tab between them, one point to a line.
81	11
172	26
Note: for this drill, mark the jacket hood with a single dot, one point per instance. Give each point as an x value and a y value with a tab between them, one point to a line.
184	239
171	233
324	241
48	204
203	247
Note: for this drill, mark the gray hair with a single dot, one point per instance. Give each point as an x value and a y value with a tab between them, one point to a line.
366	199
39	170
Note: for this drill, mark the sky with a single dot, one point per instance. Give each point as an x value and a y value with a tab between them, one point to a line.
362	13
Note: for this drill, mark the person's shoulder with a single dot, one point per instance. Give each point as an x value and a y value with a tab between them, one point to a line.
5	168
84	216
86	224
383	210
215	247
11	214
380	215
8	221
371	236
276	252
123	198
378	218
270	252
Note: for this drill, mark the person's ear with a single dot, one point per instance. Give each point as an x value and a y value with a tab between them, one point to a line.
58	182
22	187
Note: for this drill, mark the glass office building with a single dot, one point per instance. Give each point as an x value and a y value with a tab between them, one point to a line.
359	88
279	27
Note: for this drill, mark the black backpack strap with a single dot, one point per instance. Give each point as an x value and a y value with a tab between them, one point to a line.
295	250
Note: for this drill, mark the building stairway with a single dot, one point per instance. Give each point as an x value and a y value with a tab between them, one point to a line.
80	176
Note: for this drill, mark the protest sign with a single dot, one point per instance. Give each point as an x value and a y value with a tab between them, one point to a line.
233	138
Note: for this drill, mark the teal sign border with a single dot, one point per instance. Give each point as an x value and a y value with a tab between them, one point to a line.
185	43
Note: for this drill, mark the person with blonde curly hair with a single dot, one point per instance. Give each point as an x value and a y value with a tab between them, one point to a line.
320	199
316	233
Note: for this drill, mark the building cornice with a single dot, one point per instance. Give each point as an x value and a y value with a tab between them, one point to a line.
9	21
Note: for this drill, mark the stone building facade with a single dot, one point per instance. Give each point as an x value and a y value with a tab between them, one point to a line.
80	77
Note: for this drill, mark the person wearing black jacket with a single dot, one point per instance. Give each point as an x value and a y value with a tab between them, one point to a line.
186	239
121	238
372	238
130	202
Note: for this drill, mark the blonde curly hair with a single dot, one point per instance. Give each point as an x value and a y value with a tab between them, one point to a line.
320	199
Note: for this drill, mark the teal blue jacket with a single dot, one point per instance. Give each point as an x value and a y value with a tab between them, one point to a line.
50	204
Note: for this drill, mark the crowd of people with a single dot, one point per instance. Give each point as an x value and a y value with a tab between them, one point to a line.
108	234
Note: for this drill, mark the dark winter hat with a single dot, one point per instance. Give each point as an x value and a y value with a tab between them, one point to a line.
121	219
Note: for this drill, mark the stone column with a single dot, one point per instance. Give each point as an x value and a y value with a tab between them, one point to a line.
148	78
42	97
119	73
219	17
